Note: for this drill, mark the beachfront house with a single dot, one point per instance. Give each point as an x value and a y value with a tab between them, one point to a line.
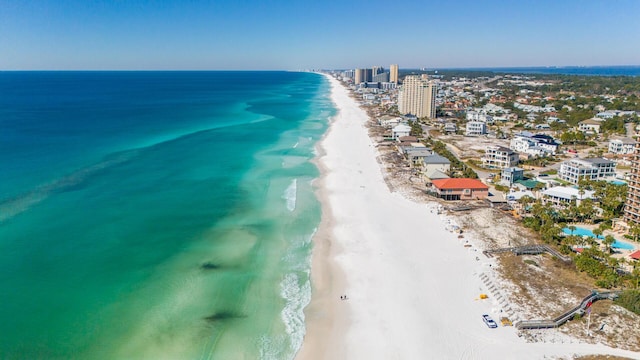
459	189
435	162
590	169
416	154
390	121
400	130
435	175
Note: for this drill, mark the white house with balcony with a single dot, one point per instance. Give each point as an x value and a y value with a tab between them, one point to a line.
622	146
479	116
590	126
534	144
499	157
565	195
400	130
590	169
476	128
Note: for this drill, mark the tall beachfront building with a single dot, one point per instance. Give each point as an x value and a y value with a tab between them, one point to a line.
632	205
362	75
393	76
417	96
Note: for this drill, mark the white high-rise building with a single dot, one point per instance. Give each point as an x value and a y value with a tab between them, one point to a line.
417	97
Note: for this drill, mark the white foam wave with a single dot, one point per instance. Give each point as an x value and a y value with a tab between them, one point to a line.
296	145
297	293
290	195
270	347
293	259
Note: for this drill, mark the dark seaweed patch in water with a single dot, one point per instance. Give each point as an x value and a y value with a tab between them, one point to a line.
223	315
210	266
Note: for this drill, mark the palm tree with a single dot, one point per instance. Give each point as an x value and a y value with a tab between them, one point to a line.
572	228
597	232
608	241
635	231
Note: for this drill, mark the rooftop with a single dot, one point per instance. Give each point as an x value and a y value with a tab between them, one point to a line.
436	159
457	183
565	192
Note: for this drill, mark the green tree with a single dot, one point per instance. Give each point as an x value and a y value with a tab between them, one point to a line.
608	241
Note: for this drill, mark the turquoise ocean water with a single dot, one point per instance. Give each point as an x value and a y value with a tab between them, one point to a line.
157	215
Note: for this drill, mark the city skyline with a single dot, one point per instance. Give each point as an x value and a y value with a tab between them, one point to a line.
288	35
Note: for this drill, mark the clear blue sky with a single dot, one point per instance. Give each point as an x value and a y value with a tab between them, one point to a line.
288	34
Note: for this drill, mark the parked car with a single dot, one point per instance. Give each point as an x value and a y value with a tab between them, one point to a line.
489	321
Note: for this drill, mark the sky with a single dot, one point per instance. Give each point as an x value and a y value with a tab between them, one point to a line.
306	34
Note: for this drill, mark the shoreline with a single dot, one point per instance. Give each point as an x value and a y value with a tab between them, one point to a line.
413	287
326	277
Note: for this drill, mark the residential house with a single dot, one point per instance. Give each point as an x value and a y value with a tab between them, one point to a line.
479	116
610	114
415	155
622	146
510	175
435	162
400	131
565	195
589	169
390	121
476	128
407	140
534	144
435	175
460	189
499	157
450	127
590	126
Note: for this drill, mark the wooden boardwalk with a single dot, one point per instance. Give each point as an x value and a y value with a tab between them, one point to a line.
528	250
569	314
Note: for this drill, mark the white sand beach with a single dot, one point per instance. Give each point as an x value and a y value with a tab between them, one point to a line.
413	288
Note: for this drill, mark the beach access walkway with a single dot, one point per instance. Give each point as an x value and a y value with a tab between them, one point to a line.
569	314
528	250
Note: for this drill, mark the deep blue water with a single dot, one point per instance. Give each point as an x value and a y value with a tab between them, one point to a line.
149	215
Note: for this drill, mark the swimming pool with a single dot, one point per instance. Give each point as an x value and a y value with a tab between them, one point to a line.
586	232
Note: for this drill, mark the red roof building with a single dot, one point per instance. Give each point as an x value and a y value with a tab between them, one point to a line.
635	255
460	189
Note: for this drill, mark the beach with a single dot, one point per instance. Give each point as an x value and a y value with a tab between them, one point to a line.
413	287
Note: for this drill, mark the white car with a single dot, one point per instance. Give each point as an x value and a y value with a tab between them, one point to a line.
489	321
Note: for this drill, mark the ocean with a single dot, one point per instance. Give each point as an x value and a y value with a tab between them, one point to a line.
157	215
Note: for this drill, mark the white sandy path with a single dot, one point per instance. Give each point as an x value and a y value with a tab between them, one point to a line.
412	286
